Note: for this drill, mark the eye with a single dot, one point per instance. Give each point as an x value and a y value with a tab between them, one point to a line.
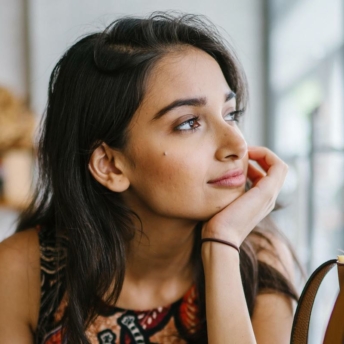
234	116
190	124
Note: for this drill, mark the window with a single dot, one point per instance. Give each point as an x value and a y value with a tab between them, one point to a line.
306	117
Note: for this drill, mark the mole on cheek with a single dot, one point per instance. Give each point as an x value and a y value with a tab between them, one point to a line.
165	153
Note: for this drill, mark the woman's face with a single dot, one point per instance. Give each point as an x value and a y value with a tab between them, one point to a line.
182	138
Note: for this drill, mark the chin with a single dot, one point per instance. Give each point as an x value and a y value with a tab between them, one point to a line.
216	208
229	199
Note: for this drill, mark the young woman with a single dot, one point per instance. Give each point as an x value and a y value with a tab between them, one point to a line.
145	195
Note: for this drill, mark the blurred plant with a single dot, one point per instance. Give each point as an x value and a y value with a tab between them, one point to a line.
16	122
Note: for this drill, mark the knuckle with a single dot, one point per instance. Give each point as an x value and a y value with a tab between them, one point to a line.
272	205
272	201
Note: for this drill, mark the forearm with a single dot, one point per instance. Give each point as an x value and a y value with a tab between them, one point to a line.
228	320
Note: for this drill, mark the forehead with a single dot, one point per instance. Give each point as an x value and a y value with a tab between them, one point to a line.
189	72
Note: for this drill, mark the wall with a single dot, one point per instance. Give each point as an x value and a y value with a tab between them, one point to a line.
13	64
34	34
54	25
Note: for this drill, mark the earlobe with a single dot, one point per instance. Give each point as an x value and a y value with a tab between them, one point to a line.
107	167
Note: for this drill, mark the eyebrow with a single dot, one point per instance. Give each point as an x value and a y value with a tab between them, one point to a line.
202	101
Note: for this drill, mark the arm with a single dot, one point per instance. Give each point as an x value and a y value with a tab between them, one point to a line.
228	319
19	287
273	313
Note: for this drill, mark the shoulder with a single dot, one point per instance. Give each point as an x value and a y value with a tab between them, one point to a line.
19	282
21	250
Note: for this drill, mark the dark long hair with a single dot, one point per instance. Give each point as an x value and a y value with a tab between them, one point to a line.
94	91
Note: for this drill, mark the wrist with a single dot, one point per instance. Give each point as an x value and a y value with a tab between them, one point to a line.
222	242
226	234
219	254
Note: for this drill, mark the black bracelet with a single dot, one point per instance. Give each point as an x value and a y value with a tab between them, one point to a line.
221	242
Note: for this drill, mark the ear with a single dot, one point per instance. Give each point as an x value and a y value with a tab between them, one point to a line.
107	166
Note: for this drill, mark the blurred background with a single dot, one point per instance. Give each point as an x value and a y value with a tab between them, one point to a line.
293	55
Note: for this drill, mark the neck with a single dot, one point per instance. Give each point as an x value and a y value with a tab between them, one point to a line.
161	251
159	266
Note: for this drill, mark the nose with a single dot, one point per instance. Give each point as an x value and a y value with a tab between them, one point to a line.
231	143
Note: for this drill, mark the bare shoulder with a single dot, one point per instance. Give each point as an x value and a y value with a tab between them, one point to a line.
19	286
20	251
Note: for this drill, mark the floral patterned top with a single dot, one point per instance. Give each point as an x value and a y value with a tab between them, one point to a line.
115	325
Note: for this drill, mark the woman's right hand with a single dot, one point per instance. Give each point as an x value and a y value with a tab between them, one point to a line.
238	219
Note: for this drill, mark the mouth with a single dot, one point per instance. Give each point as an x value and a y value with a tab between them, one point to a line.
234	178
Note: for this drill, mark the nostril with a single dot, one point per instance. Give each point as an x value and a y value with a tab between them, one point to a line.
232	156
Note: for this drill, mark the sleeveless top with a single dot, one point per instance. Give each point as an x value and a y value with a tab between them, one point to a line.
115	325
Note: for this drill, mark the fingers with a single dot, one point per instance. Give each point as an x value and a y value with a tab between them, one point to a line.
261	156
264	156
235	221
254	174
268	160
276	170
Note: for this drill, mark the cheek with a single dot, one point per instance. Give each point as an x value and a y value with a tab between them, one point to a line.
167	171
168	167
168	183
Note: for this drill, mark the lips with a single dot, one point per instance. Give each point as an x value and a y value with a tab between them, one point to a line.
232	179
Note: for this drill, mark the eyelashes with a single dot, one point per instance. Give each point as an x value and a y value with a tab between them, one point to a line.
193	123
235	116
190	124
